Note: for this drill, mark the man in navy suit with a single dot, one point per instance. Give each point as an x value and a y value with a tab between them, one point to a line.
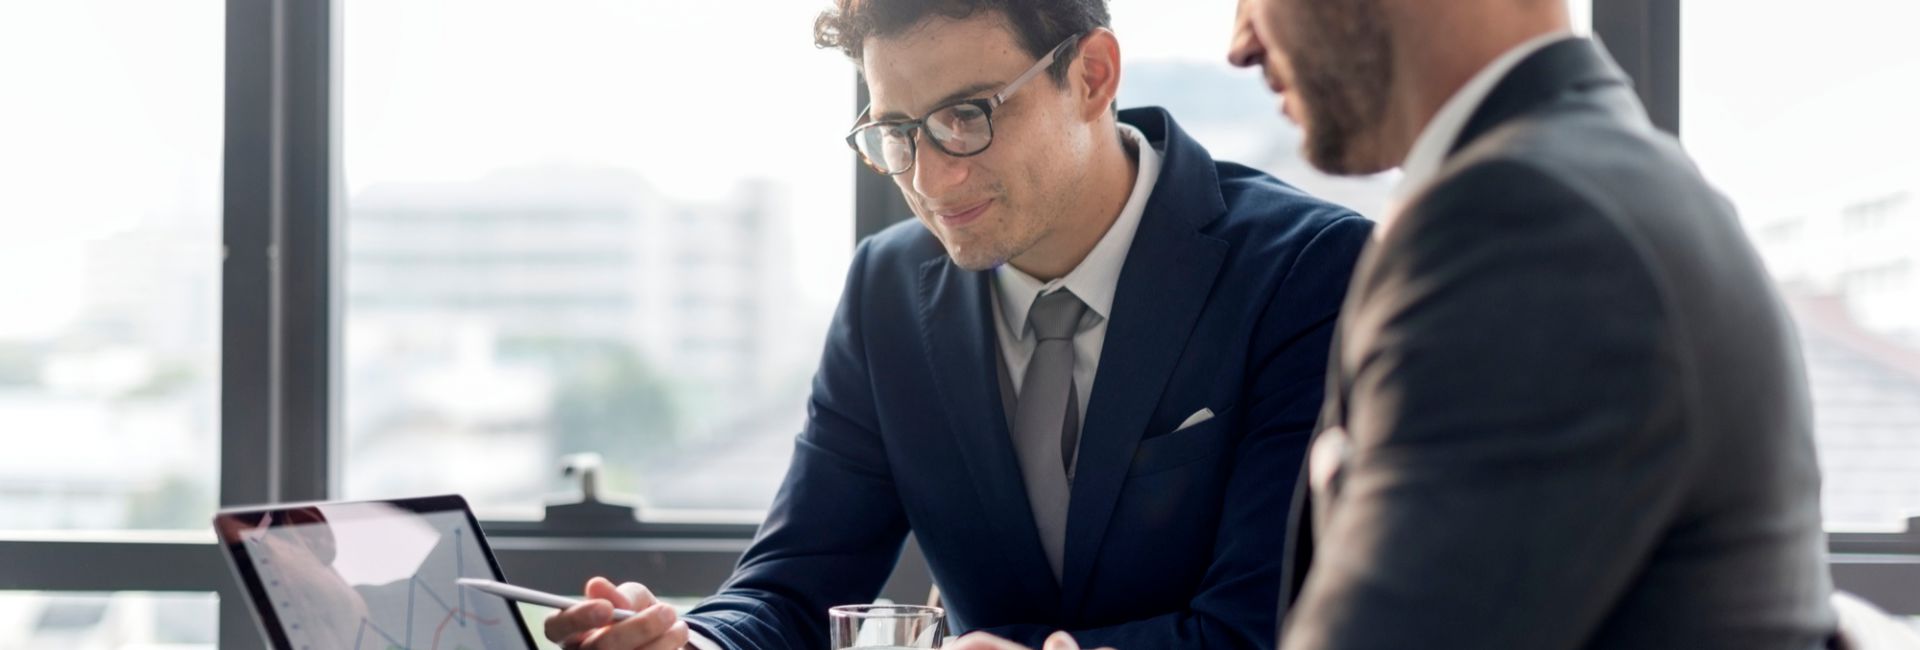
1084	380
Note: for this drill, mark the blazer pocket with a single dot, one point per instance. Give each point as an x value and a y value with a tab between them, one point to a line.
1168	451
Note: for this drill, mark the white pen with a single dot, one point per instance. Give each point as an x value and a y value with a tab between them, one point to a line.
535	596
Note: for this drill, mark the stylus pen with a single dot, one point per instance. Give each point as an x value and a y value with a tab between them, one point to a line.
537	597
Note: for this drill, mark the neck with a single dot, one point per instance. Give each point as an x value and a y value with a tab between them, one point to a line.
1431	63
1109	182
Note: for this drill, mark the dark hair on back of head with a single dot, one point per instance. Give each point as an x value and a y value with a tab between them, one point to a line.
1040	25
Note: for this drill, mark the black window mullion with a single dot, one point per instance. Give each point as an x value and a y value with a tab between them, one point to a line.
307	244
1644	37
277	322
247	400
277	334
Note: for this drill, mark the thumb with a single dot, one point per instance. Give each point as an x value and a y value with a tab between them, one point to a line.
1061	641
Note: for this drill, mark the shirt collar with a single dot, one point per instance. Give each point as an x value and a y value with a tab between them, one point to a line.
1097	277
1429	152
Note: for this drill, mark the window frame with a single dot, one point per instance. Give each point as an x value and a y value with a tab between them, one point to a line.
280	318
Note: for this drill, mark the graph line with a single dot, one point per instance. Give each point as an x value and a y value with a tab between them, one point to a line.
458	613
411	584
463	616
459	568
364	624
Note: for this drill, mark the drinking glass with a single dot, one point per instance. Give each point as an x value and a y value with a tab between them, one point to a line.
887	626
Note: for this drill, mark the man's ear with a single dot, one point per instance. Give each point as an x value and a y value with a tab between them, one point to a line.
1095	74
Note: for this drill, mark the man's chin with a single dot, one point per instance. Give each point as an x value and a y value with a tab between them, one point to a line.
1342	165
973	258
1341	156
978	251
974	262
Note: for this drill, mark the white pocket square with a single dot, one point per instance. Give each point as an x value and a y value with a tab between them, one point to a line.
1199	416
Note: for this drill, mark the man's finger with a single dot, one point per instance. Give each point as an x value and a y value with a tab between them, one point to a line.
650	625
638	596
603	589
578	619
675	638
1061	641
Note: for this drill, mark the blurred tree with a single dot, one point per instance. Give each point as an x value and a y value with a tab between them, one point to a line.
20	364
175	502
606	399
170	378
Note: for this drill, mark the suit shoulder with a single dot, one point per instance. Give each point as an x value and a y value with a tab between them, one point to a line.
1588	164
1503	219
1265	213
1492	198
1614	162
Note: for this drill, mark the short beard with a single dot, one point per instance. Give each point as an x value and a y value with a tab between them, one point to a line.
1001	254
985	254
977	263
1343	68
1018	233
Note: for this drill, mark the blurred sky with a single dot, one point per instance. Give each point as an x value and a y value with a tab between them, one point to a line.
1785	103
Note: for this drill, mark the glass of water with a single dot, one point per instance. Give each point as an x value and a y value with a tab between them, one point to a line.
887	626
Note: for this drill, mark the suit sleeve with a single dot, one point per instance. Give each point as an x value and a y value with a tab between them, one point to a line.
1506	472
836	526
1236	604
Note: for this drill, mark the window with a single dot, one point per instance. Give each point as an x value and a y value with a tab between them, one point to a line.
108	621
558	225
587	227
110	314
1814	144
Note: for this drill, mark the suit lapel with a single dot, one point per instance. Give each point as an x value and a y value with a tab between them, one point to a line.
962	348
1164	285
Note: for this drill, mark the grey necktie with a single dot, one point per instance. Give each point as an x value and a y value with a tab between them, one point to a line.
1046	419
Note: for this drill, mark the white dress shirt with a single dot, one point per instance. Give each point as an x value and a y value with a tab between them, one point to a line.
1429	152
1094	281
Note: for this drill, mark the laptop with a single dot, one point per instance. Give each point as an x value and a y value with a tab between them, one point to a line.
370	575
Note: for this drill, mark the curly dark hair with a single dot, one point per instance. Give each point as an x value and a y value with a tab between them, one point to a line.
1039	24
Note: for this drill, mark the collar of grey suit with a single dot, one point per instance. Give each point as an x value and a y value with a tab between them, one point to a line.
1429	153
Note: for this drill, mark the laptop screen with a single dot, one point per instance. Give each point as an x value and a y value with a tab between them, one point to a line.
371	576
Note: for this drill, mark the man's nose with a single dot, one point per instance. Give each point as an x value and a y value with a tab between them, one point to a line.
1245	50
934	172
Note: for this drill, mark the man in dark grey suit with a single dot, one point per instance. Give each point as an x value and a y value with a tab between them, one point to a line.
1565	409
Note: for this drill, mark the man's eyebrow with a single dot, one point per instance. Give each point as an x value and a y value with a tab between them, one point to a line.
951	97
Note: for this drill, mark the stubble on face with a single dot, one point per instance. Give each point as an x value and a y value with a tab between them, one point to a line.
990	241
1340	63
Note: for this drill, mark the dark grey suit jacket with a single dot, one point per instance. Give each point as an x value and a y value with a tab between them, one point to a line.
1572	411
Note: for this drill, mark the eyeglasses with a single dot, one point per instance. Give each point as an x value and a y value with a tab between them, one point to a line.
960	129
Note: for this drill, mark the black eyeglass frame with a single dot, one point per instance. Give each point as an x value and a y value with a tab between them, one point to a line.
915	127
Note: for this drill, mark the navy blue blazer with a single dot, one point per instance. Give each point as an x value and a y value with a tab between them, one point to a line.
1226	301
